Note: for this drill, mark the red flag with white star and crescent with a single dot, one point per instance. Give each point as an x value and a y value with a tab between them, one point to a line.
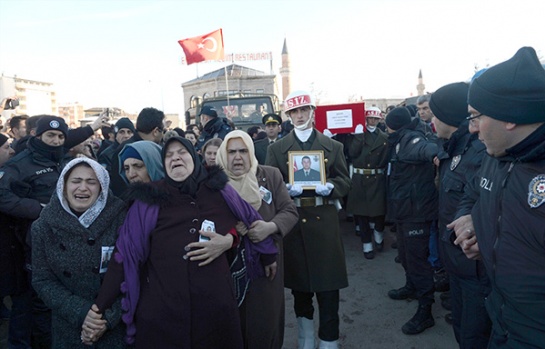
207	47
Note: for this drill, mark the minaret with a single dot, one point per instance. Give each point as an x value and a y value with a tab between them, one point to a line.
285	71
420	87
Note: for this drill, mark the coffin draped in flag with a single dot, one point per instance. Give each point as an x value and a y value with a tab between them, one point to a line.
207	47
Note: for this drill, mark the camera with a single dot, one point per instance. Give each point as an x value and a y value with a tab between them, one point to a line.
11	104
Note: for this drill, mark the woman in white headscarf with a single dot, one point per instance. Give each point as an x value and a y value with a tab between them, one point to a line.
72	243
262	311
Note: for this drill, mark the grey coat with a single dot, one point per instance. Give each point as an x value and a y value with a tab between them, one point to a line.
66	274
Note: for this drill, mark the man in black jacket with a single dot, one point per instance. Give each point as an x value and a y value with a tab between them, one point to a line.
123	131
459	162
507	107
213	126
412	199
27	182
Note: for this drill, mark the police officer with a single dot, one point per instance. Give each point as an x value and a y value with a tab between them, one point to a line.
273	127
460	159
367	199
313	251
412	199
27	182
507	107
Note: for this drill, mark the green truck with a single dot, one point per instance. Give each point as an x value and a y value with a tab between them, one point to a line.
244	110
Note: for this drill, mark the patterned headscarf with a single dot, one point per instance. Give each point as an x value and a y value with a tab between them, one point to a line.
89	216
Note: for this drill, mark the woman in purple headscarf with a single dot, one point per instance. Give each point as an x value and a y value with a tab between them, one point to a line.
170	300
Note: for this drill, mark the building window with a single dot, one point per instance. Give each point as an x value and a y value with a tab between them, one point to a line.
260	90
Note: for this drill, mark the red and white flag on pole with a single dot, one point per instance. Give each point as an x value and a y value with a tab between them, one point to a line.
207	47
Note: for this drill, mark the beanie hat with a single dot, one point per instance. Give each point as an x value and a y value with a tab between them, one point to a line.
124	123
51	123
449	103
129	152
398	118
512	91
412	109
3	139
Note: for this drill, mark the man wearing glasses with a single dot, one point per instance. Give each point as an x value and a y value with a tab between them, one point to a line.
507	107
459	164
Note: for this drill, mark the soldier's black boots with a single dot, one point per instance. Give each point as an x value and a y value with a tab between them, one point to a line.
402	293
420	321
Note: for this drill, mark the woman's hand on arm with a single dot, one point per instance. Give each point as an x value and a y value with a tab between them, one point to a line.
260	230
207	251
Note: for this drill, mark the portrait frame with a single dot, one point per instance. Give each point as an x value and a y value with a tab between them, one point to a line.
316	171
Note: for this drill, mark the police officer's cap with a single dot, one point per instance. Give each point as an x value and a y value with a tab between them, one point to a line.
271	118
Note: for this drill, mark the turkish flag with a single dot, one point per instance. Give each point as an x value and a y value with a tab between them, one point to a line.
207	47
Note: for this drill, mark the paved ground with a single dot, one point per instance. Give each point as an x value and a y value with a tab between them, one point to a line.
369	319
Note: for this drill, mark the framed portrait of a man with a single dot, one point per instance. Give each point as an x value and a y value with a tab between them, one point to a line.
307	168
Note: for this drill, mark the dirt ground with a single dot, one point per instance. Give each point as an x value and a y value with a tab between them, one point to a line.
369	319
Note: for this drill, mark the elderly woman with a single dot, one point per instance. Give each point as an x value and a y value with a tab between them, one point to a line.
170	300
72	242
210	150
141	162
262	312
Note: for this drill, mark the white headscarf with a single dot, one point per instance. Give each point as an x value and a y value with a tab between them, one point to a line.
89	216
246	184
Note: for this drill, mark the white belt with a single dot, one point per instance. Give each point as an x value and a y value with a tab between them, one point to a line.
369	171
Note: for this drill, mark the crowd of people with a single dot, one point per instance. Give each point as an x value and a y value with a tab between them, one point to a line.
151	237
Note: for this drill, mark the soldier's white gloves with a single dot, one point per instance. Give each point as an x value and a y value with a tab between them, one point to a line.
328	133
324	190
294	190
359	129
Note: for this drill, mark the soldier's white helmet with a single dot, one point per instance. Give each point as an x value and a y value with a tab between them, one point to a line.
373	112
297	99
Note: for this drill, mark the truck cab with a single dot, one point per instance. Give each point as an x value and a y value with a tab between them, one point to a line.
244	110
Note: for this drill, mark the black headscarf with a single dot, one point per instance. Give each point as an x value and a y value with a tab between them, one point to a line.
191	184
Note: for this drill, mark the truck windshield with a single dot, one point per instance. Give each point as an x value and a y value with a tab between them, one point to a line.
243	110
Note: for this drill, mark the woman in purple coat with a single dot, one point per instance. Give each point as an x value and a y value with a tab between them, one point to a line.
170	300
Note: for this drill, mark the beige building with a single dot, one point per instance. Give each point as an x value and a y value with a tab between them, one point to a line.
72	113
233	80
35	97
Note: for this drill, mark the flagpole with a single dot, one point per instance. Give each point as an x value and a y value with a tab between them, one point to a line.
226	83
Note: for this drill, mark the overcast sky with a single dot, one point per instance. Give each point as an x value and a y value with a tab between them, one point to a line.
126	54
